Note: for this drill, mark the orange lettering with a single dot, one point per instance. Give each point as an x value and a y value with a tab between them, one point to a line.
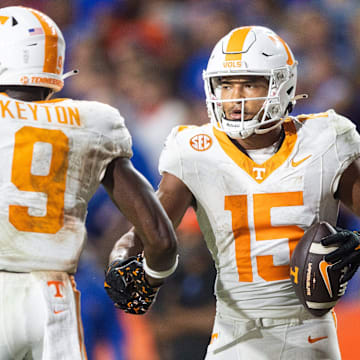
237	204
264	231
20	110
263	203
5	108
295	273
57	285
53	184
232	63
47	113
44	80
74	115
33	110
201	142
59	119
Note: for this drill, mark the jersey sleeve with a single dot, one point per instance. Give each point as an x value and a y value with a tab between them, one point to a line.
106	121
170	158
347	144
119	135
114	138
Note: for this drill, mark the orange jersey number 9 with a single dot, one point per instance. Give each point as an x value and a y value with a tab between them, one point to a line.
263	203
52	184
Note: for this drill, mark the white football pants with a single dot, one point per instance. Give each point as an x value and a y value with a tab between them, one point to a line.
274	339
39	317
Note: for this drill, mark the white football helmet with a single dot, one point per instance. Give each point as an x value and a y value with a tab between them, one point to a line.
258	51
32	49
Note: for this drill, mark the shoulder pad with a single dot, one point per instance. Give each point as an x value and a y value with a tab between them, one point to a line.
305	117
178	129
340	123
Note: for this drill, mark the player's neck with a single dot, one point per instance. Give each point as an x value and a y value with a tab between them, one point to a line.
24	96
26	93
261	141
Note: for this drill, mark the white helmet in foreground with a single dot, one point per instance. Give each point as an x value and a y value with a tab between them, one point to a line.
32	49
252	51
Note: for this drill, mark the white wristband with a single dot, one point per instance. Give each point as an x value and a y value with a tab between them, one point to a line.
160	274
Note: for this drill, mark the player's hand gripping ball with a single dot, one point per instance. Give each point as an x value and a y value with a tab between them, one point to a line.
347	255
317	282
126	285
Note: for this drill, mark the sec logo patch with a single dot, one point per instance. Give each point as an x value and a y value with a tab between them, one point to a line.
201	142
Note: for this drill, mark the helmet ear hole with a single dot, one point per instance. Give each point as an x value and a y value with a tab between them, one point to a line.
289	108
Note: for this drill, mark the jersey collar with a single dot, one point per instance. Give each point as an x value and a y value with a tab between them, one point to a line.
259	172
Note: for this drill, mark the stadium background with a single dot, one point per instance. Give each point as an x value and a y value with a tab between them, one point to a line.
145	57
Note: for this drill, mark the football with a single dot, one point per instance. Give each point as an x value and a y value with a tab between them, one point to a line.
316	285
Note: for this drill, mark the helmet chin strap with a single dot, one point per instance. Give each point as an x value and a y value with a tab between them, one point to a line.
281	120
245	133
251	123
300	97
70	73
260	131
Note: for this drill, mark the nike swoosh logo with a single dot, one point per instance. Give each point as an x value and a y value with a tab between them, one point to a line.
314	340
297	163
58	312
323	266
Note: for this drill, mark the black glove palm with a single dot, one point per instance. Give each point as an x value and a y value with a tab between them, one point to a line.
127	287
347	256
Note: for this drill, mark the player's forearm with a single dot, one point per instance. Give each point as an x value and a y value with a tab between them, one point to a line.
159	258
131	245
135	198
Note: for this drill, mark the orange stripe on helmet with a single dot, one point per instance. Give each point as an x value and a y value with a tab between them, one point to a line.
290	59
3	19
236	43
51	43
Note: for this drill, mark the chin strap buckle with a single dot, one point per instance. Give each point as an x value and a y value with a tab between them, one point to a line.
70	73
300	97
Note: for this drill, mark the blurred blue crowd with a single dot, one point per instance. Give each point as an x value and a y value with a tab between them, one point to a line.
146	58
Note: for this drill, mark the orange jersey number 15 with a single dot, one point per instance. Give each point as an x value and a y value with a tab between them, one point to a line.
262	203
52	184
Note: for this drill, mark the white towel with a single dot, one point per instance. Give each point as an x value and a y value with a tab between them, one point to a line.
63	334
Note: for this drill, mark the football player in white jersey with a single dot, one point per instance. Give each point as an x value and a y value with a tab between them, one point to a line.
258	178
54	155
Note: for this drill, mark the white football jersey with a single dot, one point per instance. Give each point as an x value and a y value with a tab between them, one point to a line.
53	157
252	215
